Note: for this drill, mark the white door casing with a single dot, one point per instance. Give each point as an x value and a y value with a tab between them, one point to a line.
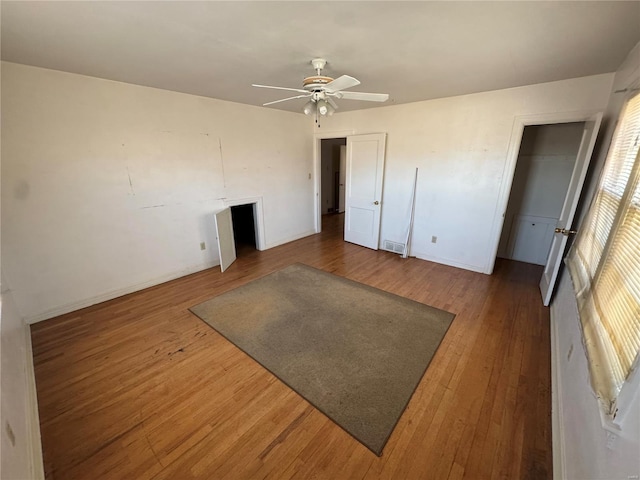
317	169
559	242
226	241
363	188
342	178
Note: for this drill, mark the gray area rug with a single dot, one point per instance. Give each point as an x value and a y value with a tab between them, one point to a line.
355	352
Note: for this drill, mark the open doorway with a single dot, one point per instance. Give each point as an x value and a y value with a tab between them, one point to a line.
332	175
563	229
239	229
363	180
246	216
244	228
544	167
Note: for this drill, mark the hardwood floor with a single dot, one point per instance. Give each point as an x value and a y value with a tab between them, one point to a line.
140	388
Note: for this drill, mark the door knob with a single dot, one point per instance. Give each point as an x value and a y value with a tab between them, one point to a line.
566	232
376	202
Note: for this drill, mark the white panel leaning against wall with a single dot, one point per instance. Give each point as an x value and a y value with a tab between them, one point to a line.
604	263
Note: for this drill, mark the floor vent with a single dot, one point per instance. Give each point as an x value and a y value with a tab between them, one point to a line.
394	247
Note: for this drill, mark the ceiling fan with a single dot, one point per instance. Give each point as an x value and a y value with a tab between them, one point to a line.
322	91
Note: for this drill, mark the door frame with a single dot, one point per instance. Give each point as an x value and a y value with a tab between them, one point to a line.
342	179
258	217
317	170
517	130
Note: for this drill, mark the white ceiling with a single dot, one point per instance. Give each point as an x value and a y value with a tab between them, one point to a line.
411	50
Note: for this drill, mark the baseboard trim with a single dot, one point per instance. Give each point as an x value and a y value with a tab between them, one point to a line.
277	243
71	307
444	261
557	432
36	464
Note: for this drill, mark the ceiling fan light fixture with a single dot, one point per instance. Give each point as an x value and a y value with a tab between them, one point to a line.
308	108
323	107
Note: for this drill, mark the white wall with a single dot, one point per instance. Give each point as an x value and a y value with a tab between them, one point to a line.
589	451
582	448
109	187
20	450
460	146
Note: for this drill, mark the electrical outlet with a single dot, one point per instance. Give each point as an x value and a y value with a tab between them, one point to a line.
611	440
203	246
434	239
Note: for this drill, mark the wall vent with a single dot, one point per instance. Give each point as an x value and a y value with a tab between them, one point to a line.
394	247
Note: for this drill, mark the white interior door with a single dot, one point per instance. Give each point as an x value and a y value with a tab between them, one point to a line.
559	242
363	189
342	177
224	234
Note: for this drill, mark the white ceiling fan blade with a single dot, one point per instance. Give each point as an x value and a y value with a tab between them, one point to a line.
280	88
369	97
341	83
332	102
285	99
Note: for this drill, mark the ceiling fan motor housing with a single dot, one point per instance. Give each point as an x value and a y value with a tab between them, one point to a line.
315	82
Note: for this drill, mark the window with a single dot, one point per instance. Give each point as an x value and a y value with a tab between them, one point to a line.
605	265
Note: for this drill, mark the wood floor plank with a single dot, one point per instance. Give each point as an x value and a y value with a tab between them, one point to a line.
138	387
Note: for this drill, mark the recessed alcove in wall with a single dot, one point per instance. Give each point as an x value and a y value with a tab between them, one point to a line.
244	227
248	223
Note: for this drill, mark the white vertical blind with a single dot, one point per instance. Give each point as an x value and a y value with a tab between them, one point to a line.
605	264
617	291
614	180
